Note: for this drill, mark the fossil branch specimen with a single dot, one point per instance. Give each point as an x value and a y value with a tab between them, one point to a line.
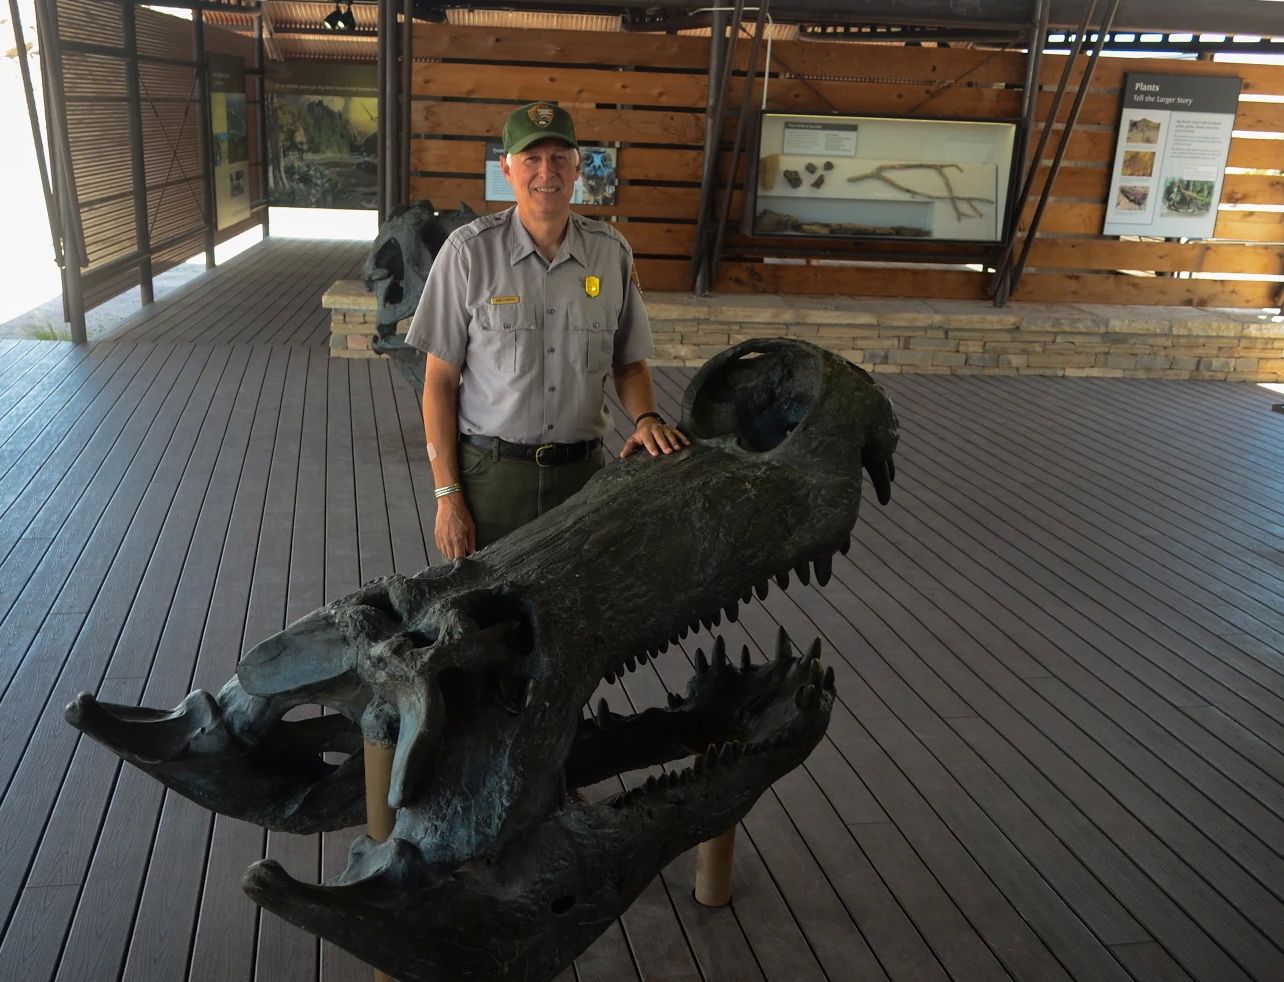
965	206
477	672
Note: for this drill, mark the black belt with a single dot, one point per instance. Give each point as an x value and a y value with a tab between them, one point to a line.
544	454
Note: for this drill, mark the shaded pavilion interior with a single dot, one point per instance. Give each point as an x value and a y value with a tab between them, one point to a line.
1058	748
1059	745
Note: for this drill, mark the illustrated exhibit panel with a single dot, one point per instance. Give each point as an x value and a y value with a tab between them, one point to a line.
873	176
1170	156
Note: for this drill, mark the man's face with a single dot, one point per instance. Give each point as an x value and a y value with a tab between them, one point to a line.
543	177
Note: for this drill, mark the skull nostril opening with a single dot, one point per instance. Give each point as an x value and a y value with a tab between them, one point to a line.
562	904
389	257
499	609
420	640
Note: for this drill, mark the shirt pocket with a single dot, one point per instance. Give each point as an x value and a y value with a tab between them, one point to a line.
593	326
506	335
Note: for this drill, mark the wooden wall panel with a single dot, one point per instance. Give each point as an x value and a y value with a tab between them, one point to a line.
465	80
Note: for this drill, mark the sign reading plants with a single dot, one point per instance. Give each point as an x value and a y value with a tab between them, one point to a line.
1170	159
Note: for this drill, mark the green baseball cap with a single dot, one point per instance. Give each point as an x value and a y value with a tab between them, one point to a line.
538	121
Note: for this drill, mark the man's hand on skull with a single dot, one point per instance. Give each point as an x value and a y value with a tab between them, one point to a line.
454	532
656	438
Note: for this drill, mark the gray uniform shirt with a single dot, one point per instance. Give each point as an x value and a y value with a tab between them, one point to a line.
534	341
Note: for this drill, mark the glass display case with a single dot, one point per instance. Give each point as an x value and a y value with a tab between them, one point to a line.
881	177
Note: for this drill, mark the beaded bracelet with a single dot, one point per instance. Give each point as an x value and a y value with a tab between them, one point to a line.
448	489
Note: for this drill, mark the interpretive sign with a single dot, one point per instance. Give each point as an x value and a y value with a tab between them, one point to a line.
231	139
596	184
1170	156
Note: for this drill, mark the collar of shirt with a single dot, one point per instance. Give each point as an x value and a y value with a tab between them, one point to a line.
522	245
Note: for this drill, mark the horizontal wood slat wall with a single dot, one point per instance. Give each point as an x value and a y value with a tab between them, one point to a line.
645	94
99	136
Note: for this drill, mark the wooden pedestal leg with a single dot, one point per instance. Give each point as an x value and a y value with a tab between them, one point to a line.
379	817
713	870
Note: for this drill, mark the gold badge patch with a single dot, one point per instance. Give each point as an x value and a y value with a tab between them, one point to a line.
499	300
592	286
541	114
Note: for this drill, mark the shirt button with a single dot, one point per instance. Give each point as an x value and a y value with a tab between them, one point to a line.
552	310
552	350
552	388
550	426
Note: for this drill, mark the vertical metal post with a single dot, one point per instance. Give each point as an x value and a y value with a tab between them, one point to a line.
260	66
1019	266
64	176
1002	281
138	166
203	133
391	133
720	232
1025	167
721	51
382	163
407	83
28	90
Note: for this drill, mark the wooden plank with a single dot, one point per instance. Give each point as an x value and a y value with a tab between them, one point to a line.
1087	288
486	119
1109	73
632	201
1110	254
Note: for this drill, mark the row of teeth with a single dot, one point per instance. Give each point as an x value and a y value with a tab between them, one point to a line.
715	756
807	696
822	569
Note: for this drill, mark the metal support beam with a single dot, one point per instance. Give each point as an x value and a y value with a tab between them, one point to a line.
720	227
722	52
20	43
407	81
1001	285
382	160
1032	232
390	121
64	174
137	164
260	68
204	134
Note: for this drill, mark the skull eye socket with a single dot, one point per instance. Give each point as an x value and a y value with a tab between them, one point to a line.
757	393
389	257
503	610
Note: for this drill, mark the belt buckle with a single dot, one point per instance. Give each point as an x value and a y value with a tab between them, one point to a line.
539	451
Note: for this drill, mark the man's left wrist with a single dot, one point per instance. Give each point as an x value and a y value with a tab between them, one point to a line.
659	420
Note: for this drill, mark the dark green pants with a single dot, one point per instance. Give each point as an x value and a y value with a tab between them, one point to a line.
503	495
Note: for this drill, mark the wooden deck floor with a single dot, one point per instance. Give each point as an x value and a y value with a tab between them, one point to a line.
1058	750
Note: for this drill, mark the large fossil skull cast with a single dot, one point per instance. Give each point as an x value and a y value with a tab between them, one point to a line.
403	251
477	673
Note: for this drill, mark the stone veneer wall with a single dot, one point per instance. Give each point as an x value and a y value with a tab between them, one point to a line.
961	337
941	336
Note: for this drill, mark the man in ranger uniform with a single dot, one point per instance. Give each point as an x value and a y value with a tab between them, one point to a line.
524	316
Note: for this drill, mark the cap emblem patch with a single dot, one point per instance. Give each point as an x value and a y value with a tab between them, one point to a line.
541	114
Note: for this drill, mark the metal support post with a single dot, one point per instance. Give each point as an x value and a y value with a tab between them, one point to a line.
1002	279
722	54
260	67
203	133
407	83
382	163
137	164
64	175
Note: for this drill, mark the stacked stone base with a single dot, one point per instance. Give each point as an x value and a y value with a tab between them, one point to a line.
934	336
353	321
965	338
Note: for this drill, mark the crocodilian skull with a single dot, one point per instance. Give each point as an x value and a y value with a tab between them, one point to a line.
477	672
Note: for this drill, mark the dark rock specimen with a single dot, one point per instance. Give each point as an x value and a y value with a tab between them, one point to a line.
820	180
793	178
810	168
829	165
477	673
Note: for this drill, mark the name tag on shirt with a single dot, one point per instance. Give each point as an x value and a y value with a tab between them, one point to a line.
500	300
